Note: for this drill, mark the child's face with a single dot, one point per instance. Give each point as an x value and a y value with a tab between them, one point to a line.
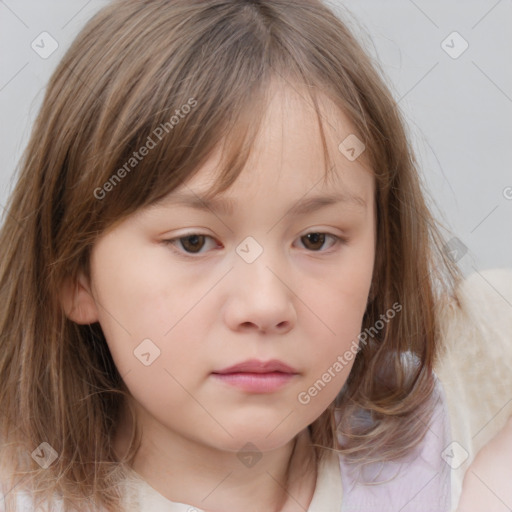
300	301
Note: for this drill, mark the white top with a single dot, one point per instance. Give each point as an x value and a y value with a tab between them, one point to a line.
328	491
418	483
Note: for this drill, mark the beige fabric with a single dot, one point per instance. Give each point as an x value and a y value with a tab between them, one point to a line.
476	366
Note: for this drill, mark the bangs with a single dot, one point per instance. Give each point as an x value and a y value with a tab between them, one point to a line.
228	126
196	89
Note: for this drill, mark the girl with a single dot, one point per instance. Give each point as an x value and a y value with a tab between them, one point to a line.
219	276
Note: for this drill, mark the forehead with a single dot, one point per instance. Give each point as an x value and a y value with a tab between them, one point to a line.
287	161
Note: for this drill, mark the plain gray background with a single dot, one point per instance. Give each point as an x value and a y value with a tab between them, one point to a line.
458	104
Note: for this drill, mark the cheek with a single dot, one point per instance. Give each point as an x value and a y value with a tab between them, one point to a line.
129	295
145	307
339	306
338	332
138	291
340	298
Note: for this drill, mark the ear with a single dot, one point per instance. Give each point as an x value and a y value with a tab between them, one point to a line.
77	301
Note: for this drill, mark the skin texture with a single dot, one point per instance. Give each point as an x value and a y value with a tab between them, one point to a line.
300	302
487	481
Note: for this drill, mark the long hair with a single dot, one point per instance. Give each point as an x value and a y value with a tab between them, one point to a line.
182	78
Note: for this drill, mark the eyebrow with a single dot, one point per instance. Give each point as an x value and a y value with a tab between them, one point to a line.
301	207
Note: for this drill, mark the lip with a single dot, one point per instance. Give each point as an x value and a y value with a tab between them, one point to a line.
255	376
256	366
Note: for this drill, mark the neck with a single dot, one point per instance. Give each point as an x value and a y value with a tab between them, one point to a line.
183	471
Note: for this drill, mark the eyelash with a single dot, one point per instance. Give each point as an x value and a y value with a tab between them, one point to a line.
173	241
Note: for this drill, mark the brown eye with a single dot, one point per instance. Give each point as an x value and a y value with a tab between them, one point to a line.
313	241
192	243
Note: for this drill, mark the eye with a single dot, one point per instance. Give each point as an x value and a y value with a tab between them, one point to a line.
315	240
193	243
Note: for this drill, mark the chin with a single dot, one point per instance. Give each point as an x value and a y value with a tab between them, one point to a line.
263	438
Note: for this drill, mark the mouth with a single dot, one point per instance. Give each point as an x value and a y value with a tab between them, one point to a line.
257	376
256	366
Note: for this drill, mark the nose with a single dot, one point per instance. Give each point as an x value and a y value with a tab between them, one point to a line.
260	298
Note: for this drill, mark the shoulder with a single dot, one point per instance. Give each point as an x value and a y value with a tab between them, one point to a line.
419	482
487	481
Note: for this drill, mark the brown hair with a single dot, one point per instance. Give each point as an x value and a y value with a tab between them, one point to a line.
134	65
